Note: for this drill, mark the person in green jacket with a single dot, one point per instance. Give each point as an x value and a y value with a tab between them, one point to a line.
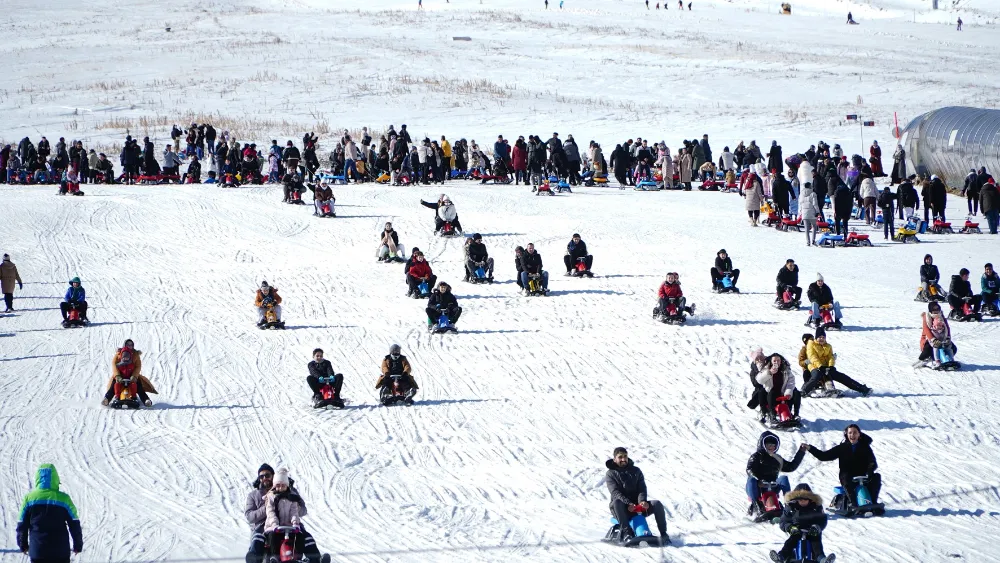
48	520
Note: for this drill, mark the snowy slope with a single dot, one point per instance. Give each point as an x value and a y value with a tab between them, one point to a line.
503	460
518	411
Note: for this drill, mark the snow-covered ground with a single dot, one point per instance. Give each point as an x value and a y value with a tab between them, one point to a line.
503	459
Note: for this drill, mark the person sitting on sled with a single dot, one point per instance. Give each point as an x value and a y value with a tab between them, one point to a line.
627	486
765	465
935	334
989	284
788	276
320	368
576	250
442	301
389	248
267	297
856	459
820	294
723	267
821	366
776	380
445	212
671	289
127	363
476	256
929	277
256	515
323	196
76	298
529	263
803	512
960	292
284	507
419	271
396	364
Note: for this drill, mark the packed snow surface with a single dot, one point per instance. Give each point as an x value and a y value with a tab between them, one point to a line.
503	456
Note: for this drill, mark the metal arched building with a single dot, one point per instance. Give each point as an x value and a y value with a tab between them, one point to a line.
952	140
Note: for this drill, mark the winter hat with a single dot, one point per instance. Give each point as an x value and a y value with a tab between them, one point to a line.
819	276
803	487
263	284
806	337
74	280
721	251
770	440
820	332
756	354
265	467
281	477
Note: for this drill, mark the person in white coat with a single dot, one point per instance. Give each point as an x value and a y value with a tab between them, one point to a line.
869	194
808	209
777	379
728	160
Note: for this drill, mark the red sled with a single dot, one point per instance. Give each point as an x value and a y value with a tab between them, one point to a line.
856	239
971	228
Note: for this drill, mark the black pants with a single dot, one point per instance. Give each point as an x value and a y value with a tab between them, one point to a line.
51	560
927	352
788	550
415	282
681	304
316	386
67	307
874	485
796	290
138	389
570	262
957	302
817	375
453	314
620	510
973	200
439	222
258	549
888	227
717	276
751	213
574	172
620	176
8	299
838	222
470	267
769	399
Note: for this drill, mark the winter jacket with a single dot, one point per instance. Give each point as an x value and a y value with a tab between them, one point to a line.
728	160
929	273
324	194
926	335
780	190
908	196
868	188
281	508
706	150
477	252
684	168
765	467
75	294
576	249
421	270
989	285
960	288
939	195
442	301
805	174
626	484
531	262
136	371
823	296
256	511
291	153
802	517
774	161
395	240
519	160
855	460
804	357
398	366
170	159
786	277
753	193
843	202
885	203
989	198
273	295
572	151
808	204
765	378
48	519
321	369
723	265
820	355
9	276
670	290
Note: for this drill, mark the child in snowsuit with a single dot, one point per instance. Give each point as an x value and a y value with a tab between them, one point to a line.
284	507
671	289
803	512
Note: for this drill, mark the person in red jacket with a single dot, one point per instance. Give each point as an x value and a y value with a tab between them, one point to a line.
420	271
671	289
519	161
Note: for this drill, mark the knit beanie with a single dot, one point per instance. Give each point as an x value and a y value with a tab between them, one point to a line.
281	477
819	276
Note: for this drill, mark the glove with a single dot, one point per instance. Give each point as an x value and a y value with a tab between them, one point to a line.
793	530
814	531
935	343
20	285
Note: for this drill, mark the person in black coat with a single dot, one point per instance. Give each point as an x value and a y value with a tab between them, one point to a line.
619	162
442	301
929	275
803	512
723	266
781	189
530	263
886	202
766	465
774	161
575	250
477	256
318	368
627	486
960	292
939	196
856	459
909	200
843	206
788	276
820	294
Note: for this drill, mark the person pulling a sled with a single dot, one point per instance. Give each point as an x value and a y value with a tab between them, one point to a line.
445	213
627	486
856	459
396	379
48	520
803	514
765	466
267	298
75	299
319	370
576	250
723	267
127	364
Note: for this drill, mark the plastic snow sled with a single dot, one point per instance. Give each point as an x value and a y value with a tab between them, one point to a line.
935	294
710	186
854	238
647	186
535	285
326	209
823	226
863	505
328	396
423	290
479	275
964	314
673	314
725	285
271	319
768	507
784	419
906	234
789	224
580	269
562	186
126	394
826	319
946	359
544	189
287	552
788	302
73	319
970	228
830	240
940	228
442	325
803	551
447	230
393	393
642	536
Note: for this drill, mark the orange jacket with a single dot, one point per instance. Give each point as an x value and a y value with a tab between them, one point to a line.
259	301
926	335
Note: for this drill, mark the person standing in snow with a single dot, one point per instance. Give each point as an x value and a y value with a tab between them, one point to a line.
48	520
705	148
8	277
774	161
875	153
959	24
898	166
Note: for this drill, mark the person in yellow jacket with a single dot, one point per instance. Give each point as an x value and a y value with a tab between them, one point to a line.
829	388
446	162
821	363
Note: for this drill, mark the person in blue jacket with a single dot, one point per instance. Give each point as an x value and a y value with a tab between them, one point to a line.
76	298
48	520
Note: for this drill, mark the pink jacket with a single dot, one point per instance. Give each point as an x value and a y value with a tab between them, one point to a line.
280	510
